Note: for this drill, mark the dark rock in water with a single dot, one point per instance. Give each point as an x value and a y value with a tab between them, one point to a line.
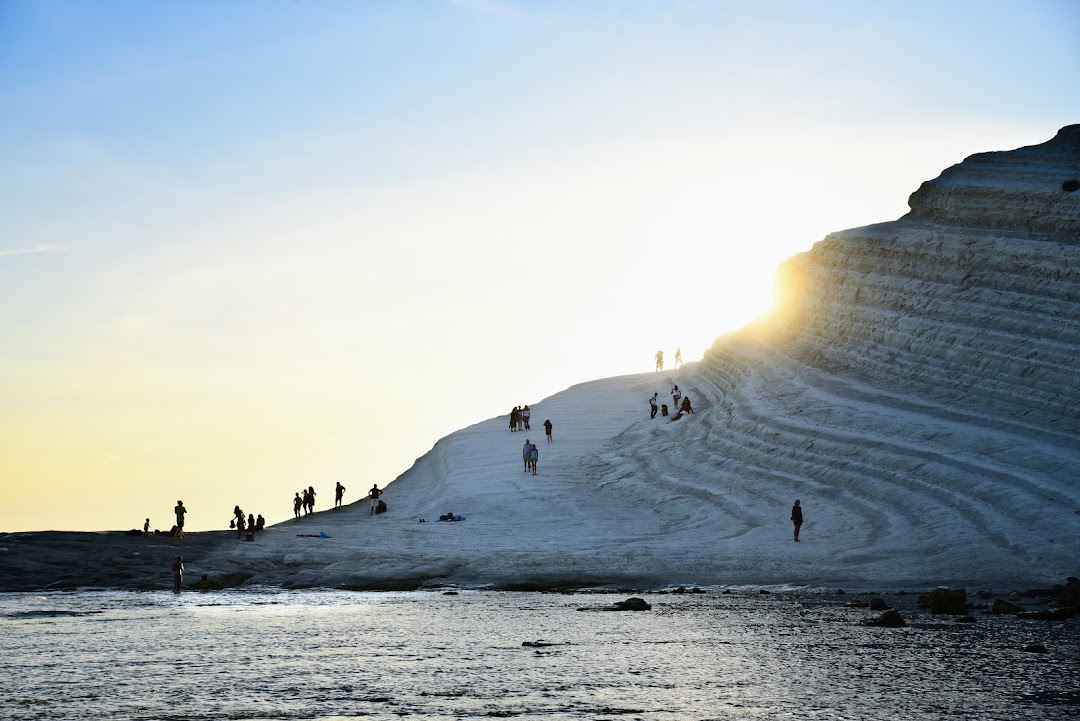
539	643
680	589
889	619
763	592
948	600
727	590
985	594
695	589
633	604
1002	607
450	593
841	592
1057	614
1035	648
630	604
858	603
878	604
965	619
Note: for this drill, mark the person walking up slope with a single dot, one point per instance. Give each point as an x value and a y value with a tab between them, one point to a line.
525	450
374	494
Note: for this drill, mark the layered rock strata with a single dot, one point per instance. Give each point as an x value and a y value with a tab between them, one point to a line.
921	378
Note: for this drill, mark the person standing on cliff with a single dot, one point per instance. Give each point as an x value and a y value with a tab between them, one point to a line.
796	517
678	357
177	573
339	491
180	513
659	361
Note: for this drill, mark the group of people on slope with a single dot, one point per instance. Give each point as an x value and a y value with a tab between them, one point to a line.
678	401
530	455
519	421
251	524
660	359
306	501
177	531
519	418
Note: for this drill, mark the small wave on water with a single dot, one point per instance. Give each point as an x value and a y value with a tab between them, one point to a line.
50	613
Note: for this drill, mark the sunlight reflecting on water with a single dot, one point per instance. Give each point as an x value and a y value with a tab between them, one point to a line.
318	655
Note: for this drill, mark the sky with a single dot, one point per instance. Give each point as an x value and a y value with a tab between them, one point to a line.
249	247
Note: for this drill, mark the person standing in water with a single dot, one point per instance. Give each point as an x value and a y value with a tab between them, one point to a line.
177	573
796	517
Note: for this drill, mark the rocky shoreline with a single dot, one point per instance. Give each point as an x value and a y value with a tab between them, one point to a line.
117	560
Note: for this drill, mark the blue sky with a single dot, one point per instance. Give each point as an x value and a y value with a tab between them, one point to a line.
245	232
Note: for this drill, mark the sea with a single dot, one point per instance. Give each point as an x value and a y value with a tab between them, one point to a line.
739	654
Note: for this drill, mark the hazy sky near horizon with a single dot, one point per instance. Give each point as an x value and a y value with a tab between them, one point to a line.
248	247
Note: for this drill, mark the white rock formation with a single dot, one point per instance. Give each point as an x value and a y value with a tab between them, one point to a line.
918	390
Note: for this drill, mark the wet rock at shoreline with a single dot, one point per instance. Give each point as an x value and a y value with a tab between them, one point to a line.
1003	607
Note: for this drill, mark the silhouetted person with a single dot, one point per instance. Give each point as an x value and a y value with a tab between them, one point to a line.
177	573
339	491
297	504
180	512
547	431
374	494
796	517
146	527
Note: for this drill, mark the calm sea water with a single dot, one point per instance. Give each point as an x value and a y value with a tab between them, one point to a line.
328	655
